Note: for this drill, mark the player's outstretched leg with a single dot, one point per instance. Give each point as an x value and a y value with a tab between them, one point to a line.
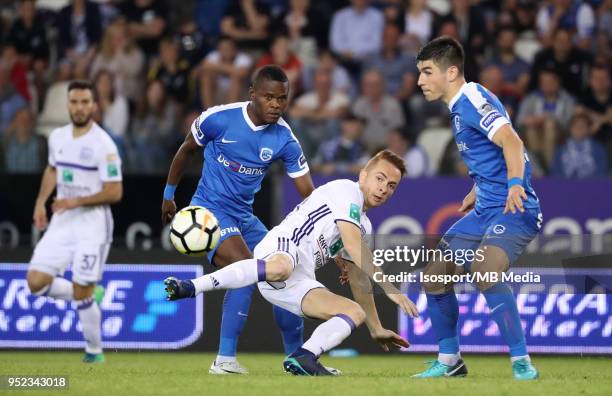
236	305
234	276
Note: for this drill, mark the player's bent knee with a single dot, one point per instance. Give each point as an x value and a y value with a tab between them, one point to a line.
82	292
37	282
278	268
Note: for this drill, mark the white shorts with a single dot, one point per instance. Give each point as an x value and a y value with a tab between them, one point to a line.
290	293
60	247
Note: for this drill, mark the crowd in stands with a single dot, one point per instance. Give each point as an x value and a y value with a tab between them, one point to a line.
157	64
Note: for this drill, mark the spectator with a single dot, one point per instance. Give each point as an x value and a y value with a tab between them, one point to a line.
147	21
604	31
382	112
18	71
10	100
573	15
223	74
597	104
123	58
191	42
519	13
208	16
345	153
571	63
113	107
171	70
492	77
340	78
449	27
581	156
80	31
398	70
515	70
419	21
281	55
356	32
303	24
152	130
470	23
247	22
27	34
543	113
24	151
417	161
315	113
451	163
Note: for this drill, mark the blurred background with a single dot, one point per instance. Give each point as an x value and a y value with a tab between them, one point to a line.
157	64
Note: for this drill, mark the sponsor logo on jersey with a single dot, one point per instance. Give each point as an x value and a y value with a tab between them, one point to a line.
266	154
67	176
457	122
112	158
489	118
228	230
223	140
462	146
199	133
302	161
336	247
239	168
112	170
355	212
322	254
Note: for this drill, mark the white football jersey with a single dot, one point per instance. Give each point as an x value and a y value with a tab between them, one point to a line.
83	165
312	224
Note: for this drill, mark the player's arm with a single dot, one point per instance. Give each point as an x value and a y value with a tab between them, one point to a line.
469	201
304	185
47	185
111	193
180	162
363	260
514	155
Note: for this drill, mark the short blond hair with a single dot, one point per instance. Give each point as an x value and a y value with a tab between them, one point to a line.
390	157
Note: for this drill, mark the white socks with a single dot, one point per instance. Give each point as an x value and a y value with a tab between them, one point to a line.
329	334
515	358
239	274
450	359
59	288
225	359
90	317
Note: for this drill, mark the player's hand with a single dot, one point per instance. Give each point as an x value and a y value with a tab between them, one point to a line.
405	304
389	339
40	217
59	205
468	202
514	202
168	211
343	267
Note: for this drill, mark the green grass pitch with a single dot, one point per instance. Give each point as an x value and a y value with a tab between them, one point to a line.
186	374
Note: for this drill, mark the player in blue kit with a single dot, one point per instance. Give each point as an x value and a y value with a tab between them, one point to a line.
503	212
240	141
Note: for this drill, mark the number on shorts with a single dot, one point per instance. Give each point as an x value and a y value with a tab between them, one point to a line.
88	262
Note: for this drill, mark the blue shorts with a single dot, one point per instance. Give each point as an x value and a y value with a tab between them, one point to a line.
246	225
491	227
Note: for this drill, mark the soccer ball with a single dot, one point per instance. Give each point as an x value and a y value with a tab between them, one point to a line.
194	231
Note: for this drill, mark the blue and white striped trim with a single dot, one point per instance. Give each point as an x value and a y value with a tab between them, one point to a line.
76	166
308	226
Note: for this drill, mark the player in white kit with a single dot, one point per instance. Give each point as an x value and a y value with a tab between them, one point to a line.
85	167
331	222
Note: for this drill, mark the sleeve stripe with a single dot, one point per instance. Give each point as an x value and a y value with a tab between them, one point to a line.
299	173
195	134
497	124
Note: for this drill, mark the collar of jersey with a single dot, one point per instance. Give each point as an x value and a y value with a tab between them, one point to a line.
457	96
249	121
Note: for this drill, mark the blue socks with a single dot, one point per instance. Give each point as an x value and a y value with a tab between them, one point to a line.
236	305
502	305
291	327
444	313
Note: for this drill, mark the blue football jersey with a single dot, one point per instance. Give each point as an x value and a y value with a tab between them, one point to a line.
476	115
237	155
